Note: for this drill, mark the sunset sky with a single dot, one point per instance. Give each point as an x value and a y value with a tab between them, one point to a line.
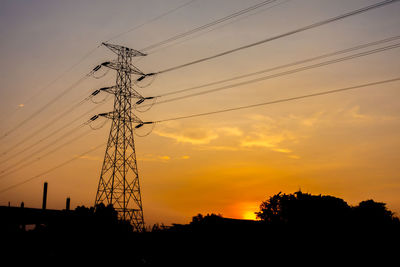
345	144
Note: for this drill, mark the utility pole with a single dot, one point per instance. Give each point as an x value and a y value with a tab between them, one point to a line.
119	178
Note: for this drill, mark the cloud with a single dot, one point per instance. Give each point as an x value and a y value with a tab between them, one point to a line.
257	143
194	136
156	158
91	158
311	120
197	135
278	134
230	131
271	142
282	150
219	148
275	134
343	116
164	157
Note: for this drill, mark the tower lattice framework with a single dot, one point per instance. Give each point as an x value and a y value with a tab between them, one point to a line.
119	178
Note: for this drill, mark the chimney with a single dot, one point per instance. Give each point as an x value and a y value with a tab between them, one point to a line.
67	204
44	195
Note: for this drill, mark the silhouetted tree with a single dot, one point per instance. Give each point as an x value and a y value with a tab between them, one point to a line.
208	219
370	212
302	208
305	209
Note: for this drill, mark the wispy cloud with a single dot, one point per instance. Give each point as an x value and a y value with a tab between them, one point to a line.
162	158
278	134
282	150
151	157
230	131
219	148
194	136
86	157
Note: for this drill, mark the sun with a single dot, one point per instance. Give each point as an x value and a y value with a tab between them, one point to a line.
249	215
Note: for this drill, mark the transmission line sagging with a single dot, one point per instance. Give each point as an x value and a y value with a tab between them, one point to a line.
269	39
34	154
317	65
48	104
208	25
278	101
150	20
86	56
47	125
34	157
51	134
202	32
339	52
51	169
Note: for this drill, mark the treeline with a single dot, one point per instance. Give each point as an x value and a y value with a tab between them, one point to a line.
290	227
306	209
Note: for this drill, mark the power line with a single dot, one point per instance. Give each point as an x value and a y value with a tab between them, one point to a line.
51	169
50	123
31	155
48	136
43	128
28	163
47	125
85	56
238	13
151	20
335	53
45	106
279	100
311	26
30	99
219	27
324	63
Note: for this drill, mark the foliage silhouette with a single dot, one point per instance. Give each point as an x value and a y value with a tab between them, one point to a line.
303	209
369	212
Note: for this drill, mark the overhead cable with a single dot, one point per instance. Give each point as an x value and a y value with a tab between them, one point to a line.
216	28
51	134
331	54
47	105
151	20
317	65
16	166
280	100
51	169
311	26
231	16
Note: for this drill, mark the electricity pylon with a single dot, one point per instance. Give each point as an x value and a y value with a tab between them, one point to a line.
119	178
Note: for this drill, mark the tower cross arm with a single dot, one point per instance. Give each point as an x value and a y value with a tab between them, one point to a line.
122	49
114	90
122	67
117	116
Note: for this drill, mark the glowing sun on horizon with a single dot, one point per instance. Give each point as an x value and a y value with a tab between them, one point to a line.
249	215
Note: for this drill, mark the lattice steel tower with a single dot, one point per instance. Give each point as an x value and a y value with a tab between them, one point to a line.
119	178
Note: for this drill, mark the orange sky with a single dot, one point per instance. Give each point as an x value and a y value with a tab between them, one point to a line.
344	144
